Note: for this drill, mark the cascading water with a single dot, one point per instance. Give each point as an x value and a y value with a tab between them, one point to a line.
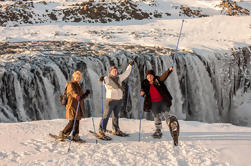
34	74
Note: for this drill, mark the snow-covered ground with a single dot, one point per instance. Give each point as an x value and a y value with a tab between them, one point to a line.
201	144
27	143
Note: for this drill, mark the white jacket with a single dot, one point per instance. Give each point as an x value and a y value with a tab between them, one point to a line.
111	92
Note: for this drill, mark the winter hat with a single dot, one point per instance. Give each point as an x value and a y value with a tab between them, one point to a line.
150	72
113	67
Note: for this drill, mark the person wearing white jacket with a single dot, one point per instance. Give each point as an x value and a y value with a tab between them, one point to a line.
114	95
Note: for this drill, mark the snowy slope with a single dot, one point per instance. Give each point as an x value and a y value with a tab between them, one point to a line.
27	143
200	35
216	33
201	144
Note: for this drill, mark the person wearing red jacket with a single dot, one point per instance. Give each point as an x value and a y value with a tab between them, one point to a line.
157	98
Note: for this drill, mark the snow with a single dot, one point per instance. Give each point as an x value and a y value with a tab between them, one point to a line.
217	33
28	143
200	35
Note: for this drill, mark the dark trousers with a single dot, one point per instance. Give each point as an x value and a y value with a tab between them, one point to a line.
111	106
68	128
159	109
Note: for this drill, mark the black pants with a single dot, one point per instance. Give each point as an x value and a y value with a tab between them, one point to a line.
68	128
160	109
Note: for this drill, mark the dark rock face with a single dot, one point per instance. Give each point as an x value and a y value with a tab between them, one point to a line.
231	8
34	74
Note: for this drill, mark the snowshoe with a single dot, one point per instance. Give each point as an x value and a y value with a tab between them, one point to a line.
157	134
77	138
118	133
174	129
61	137
101	135
58	138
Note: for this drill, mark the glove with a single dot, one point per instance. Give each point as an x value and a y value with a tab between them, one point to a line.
131	63
171	68
85	95
101	78
78	98
87	92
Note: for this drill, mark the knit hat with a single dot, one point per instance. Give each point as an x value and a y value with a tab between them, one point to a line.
150	72
113	67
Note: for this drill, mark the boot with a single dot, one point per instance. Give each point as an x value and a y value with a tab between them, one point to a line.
119	133
157	133
101	134
76	137
61	136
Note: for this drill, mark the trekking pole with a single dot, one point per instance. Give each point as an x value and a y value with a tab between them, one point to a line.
102	107
75	118
128	89
94	128
177	45
140	116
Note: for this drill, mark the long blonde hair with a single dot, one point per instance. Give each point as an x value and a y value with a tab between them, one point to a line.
76	73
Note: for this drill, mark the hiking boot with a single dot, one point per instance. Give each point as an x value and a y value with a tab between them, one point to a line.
120	133
157	133
76	137
61	136
101	134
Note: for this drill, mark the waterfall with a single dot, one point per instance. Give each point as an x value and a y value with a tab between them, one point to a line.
203	86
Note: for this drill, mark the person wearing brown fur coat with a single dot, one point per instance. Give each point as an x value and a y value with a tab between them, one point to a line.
75	94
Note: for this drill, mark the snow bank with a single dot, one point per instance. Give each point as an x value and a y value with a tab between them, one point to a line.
204	144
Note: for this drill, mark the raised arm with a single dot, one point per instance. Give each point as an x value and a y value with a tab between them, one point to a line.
164	76
126	73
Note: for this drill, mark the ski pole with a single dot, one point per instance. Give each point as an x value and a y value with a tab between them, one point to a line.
140	116
102	107
128	89
94	128
75	118
177	45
